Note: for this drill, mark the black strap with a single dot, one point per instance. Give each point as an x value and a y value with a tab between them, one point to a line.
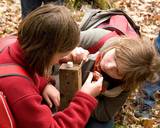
7	70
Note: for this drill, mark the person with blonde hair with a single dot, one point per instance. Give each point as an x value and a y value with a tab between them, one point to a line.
125	63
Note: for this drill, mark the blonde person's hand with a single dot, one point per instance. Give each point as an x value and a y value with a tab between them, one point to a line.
77	55
91	87
51	95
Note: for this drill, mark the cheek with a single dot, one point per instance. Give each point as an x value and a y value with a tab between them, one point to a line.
113	73
103	63
104	60
106	65
109	72
54	60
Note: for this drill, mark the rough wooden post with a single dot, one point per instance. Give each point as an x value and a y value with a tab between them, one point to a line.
70	78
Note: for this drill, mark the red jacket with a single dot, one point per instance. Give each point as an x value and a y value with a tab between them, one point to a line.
24	99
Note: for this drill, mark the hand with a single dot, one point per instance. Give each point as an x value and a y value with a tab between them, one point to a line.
51	94
92	88
96	75
77	55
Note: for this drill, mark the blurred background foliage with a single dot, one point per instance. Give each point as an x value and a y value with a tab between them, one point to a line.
102	4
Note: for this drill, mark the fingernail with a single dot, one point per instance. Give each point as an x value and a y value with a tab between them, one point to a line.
50	105
86	59
101	78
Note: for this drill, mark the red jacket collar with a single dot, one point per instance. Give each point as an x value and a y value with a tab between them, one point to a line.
17	55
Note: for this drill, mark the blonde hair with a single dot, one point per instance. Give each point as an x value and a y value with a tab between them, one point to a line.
137	61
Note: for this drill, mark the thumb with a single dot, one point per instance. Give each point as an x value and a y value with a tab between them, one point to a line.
65	59
89	78
99	81
56	102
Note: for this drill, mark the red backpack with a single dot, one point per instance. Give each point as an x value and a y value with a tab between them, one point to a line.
6	118
115	20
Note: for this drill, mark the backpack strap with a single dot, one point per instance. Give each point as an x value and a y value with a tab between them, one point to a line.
87	18
12	70
94	48
7	120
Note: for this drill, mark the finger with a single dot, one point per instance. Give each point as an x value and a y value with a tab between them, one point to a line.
90	77
59	98
79	59
99	81
76	58
73	57
96	53
64	59
49	102
85	59
84	55
56	101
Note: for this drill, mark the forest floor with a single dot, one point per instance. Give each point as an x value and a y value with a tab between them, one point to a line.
146	14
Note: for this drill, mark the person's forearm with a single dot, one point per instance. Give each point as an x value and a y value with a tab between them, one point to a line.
77	113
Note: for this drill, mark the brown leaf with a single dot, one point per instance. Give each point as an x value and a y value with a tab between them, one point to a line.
148	123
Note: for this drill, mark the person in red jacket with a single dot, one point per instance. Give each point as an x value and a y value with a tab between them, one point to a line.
44	37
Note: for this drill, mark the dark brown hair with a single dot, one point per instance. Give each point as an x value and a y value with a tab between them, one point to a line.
47	30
